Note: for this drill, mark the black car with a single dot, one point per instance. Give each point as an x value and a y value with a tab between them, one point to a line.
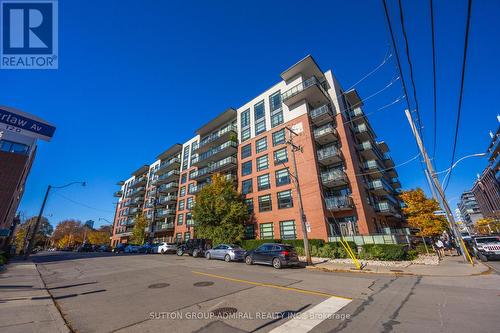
195	247
120	248
277	255
85	248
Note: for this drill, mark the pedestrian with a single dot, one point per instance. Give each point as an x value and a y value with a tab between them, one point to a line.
440	248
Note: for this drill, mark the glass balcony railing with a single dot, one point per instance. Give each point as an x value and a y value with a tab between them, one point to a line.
169	186
323	130
166	164
338	202
328	152
222	163
214	151
140	180
321	111
295	90
160	213
136	191
167	175
168	198
367	145
216	135
333	176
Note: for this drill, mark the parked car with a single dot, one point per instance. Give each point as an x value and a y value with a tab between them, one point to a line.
165	247
86	247
486	247
105	248
132	248
146	248
227	252
277	255
194	247
120	248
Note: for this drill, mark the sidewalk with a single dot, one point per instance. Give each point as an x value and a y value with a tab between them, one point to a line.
25	304
449	266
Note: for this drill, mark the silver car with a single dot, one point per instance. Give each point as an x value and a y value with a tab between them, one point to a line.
227	252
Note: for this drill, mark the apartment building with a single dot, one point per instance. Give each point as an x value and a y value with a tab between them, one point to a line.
348	181
469	208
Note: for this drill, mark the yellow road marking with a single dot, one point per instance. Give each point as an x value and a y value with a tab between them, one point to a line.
269	285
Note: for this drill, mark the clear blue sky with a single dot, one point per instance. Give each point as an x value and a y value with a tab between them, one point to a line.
132	72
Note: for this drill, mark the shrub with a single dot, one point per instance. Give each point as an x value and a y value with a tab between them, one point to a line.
420	248
252	244
384	252
411	255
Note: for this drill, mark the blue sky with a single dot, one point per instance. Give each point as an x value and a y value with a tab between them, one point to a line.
132	72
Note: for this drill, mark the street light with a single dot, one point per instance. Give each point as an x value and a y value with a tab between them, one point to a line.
37	224
448	171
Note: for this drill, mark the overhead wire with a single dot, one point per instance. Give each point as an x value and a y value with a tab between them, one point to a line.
434	81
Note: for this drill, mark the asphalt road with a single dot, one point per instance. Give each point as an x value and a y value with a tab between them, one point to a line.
166	293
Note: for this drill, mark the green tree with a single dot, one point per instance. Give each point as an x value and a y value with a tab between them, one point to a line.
219	212
138	232
44	232
419	211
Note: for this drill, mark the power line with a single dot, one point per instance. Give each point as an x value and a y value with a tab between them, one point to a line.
466	45
434	80
386	58
82	204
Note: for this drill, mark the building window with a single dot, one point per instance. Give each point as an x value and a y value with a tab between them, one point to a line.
265	203
262	163
246	168
288	230
191	173
282	177
182	191
279	137
275	101
245	125
190	202
261	145
246	151
13	147
178	237
184	178
266	231
246	186
180	219
249	203
263	182
285	199
185	158
250	231
191	188
260	119
277	118
187	235
280	156
245	134
189	219
181	204
260	126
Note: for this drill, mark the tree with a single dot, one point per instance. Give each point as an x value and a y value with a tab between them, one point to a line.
219	212
100	236
70	230
138	231
419	211
25	229
487	226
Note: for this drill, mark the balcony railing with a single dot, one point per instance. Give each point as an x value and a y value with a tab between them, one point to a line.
136	191
171	174
167	164
334	177
338	202
216	135
295	90
385	207
197	188
118	194
367	146
160	213
223	163
167	187
165	199
200	158
380	185
136	182
325	130
322	111
329	154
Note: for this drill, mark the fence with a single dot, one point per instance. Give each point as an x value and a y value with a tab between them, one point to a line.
375	239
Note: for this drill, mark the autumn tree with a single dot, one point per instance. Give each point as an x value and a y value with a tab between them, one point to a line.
419	211
138	232
487	226
219	212
100	236
70	231
26	228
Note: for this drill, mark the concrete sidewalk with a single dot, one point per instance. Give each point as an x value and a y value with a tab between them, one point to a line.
25	304
449	266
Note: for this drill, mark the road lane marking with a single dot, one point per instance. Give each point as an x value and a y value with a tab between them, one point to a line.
269	285
306	321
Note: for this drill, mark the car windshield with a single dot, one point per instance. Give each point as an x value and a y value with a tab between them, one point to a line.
487	240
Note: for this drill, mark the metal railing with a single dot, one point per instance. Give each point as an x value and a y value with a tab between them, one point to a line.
328	152
216	135
333	175
214	151
338	202
168	163
325	129
301	87
324	109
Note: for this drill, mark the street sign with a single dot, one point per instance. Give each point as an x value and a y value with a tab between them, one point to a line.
23	123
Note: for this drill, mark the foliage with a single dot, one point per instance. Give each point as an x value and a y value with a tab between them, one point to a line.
100	236
3	257
251	244
420	248
68	233
332	250
487	226
419	211
44	232
220	212
385	252
138	232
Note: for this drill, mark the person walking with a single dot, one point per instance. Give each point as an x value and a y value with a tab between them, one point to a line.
440	248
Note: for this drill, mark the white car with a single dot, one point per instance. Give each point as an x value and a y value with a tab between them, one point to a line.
167	248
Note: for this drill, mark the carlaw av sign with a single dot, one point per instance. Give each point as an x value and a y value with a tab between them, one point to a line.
23	123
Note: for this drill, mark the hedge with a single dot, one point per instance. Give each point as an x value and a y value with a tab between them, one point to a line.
386	252
252	244
333	250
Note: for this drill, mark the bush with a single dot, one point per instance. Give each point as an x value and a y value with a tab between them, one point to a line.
330	250
411	255
420	248
252	244
3	258
384	252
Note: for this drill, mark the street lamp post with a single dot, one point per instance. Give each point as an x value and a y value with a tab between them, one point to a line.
448	171
31	240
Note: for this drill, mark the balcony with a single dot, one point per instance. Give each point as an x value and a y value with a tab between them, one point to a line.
339	203
382	146
213	139
334	178
141	181
133	211
134	202
310	90
373	168
167	177
118	194
387	208
357	116
197	188
201	174
325	134
321	115
392	173
169	165
395	183
364	132
329	155
370	151
139	191
170	187
380	187
164	226
388	162
162	213
227	148
164	200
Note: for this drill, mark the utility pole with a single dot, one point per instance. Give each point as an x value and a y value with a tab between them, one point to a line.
437	185
31	240
299	196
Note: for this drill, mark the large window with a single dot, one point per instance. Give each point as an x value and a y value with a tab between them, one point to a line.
183	178
182	191
245	134
263	182
13	147
191	188
260	119
282	177
249	203
190	203
266	231
261	145
246	151
181	204
187	235
246	168
189	219
246	186
280	156
250	231
178	237
265	203
262	163
245	125
285	199
277	118
180	219
288	230
279	137
275	101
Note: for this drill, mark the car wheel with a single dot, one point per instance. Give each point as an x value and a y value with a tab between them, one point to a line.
208	256
277	263
180	252
162	251
483	258
227	258
248	260
196	253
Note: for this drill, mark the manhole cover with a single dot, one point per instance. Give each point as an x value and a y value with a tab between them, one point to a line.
226	311
203	284
158	285
396	270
